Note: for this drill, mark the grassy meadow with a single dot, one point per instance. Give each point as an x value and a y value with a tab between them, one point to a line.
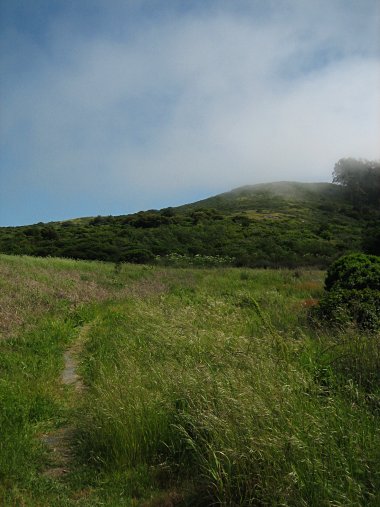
202	387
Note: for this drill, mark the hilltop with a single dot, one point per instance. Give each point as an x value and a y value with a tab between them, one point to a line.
277	224
248	196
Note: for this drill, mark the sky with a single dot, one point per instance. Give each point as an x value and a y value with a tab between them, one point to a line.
108	107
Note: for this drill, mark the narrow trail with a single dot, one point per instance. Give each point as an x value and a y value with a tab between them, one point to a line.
59	441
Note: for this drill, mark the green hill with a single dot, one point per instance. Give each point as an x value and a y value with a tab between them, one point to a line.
271	225
251	196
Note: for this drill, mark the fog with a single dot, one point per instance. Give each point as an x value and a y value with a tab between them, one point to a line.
132	108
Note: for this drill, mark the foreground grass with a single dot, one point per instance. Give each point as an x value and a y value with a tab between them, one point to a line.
43	305
204	387
202	390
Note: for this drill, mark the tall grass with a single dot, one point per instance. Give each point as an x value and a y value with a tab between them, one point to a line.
32	287
180	385
204	387
43	303
28	396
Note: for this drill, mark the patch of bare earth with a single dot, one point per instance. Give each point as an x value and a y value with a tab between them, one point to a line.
59	442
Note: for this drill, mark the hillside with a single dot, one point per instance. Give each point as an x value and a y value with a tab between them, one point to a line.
274	224
282	192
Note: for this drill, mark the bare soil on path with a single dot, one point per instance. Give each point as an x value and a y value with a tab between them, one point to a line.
59	441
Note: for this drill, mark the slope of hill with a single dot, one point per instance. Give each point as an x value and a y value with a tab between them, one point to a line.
274	224
282	192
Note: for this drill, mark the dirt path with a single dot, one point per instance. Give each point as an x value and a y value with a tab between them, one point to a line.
59	441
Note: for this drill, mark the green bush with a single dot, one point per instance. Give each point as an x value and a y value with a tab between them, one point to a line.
352	292
138	256
354	271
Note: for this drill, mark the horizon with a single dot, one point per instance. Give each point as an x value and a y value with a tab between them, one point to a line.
109	108
241	187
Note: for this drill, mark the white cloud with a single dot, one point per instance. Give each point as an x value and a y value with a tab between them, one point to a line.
195	101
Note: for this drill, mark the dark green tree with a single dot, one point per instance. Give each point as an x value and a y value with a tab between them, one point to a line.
361	178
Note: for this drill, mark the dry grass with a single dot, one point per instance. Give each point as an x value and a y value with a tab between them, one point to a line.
31	287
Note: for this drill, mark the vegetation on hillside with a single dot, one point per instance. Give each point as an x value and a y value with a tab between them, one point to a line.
204	387
282	224
250	227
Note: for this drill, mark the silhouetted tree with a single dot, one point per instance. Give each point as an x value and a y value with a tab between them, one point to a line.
361	178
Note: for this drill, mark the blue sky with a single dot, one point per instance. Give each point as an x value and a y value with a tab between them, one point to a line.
113	106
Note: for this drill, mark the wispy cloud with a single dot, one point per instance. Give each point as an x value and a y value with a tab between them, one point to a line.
128	110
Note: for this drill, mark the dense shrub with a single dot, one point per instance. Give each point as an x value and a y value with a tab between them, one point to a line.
371	240
341	307
352	292
354	271
138	256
